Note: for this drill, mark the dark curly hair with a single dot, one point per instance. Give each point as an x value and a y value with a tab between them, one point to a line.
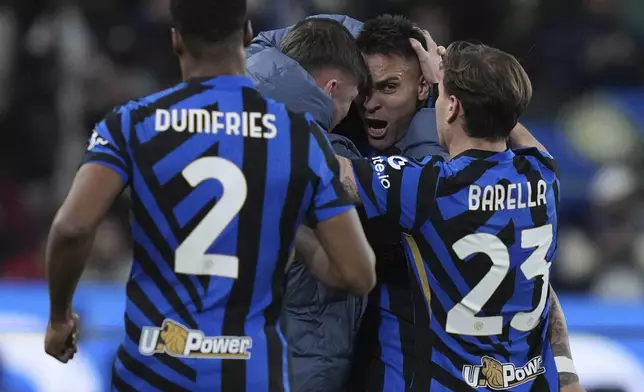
208	21
389	35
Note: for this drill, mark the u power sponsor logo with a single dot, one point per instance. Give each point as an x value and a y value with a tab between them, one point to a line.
176	340
501	376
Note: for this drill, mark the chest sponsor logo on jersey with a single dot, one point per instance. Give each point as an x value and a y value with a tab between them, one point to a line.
96	140
501	376
178	341
396	162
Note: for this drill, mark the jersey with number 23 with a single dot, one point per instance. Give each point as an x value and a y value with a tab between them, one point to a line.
481	231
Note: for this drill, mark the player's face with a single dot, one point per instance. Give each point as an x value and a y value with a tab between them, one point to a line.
398	88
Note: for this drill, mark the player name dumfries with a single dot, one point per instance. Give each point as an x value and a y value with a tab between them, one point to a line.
507	197
247	124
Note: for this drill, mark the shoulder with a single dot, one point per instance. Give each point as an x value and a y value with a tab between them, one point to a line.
343	146
401	163
544	158
147	104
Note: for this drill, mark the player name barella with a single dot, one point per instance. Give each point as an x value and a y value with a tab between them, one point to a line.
247	124
507	197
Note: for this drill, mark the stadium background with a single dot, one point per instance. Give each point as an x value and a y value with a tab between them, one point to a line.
64	63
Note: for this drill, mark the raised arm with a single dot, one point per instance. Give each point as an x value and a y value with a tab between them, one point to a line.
559	341
520	137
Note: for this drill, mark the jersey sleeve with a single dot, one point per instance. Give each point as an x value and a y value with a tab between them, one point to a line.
329	197
107	147
394	186
544	158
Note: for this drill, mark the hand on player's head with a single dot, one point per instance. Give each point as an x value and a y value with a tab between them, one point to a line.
60	340
430	59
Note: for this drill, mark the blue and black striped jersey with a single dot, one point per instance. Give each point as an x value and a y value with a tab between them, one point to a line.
385	349
481	234
220	179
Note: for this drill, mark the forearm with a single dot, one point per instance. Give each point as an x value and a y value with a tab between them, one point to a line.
520	137
348	179
308	247
559	341
65	260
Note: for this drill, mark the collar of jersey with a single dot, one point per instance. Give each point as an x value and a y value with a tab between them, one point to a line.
224	81
487	155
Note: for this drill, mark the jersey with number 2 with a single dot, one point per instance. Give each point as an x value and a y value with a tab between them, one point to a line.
220	179
481	231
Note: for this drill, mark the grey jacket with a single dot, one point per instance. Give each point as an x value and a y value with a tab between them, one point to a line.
319	324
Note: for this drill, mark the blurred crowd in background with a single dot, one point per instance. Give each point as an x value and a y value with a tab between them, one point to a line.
65	63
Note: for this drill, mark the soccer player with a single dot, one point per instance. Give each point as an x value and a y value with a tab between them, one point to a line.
400	95
315	67
481	227
220	179
400	122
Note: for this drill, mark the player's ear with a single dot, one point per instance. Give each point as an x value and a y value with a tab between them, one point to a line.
177	42
423	89
330	86
454	108
248	33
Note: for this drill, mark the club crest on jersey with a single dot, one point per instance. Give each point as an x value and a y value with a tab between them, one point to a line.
176	340
96	140
501	376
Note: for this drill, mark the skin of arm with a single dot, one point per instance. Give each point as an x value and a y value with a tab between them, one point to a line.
71	236
311	251
558	337
348	179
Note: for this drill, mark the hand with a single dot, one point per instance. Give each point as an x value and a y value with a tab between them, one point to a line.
430	59
60	340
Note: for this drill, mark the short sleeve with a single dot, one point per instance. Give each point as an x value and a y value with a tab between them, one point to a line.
544	158
107	147
329	197
393	186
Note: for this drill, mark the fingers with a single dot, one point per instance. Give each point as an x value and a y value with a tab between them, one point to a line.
61	339
418	48
428	39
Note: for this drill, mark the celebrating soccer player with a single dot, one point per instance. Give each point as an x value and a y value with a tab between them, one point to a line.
481	227
315	67
220	179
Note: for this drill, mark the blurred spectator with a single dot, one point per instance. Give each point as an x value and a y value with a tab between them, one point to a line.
64	64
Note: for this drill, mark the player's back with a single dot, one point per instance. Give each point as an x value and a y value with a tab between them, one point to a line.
488	243
220	179
481	232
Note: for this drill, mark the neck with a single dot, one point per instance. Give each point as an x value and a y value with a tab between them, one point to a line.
228	63
458	145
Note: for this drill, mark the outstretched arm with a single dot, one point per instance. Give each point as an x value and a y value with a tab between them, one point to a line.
558	337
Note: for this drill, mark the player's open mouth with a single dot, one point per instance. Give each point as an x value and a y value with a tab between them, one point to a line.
377	128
